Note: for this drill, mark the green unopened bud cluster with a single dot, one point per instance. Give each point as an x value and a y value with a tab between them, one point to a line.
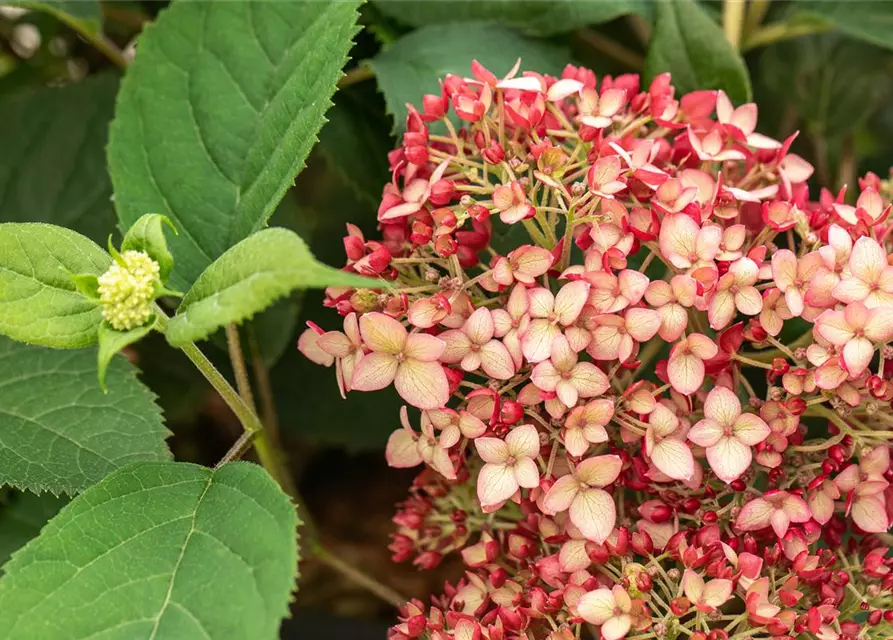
127	290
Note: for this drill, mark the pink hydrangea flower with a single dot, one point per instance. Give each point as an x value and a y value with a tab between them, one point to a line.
665	445
865	483
686	244
609	610
509	465
525	264
585	426
616	337
410	361
870	278
672	299
856	330
549	314
706	597
727	434
735	290
568	377
685	367
777	509
474	347
582	493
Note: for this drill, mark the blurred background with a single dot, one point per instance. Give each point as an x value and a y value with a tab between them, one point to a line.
823	68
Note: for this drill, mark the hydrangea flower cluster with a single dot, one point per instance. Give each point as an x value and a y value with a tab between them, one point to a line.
649	377
126	290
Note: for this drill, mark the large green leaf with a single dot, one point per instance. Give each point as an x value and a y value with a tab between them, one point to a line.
158	550
218	113
413	65
868	21
249	278
531	16
834	83
22	516
59	432
691	46
38	300
52	168
82	15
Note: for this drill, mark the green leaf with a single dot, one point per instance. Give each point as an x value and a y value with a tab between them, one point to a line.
868	21
355	148
413	65
22	516
59	432
218	113
52	168
87	284
39	302
533	17
832	82
112	341
147	235
159	550
691	46
82	15
250	277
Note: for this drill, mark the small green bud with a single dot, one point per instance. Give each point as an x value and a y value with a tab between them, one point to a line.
127	290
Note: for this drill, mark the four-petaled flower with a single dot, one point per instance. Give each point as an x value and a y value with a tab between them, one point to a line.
735	290
666	446
585	426
865	484
509	465
777	509
609	609
870	279
410	361
856	330
567	377
474	347
687	245
582	493
727	434
706	597
549	314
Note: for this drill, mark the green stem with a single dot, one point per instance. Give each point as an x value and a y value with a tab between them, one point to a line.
357	74
733	21
270	460
243	383
611	48
381	590
756	11
250	421
769	355
753	363
98	41
782	31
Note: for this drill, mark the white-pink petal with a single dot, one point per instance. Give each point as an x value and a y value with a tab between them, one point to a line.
382	333
729	458
594	514
496	484
374	371
422	384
